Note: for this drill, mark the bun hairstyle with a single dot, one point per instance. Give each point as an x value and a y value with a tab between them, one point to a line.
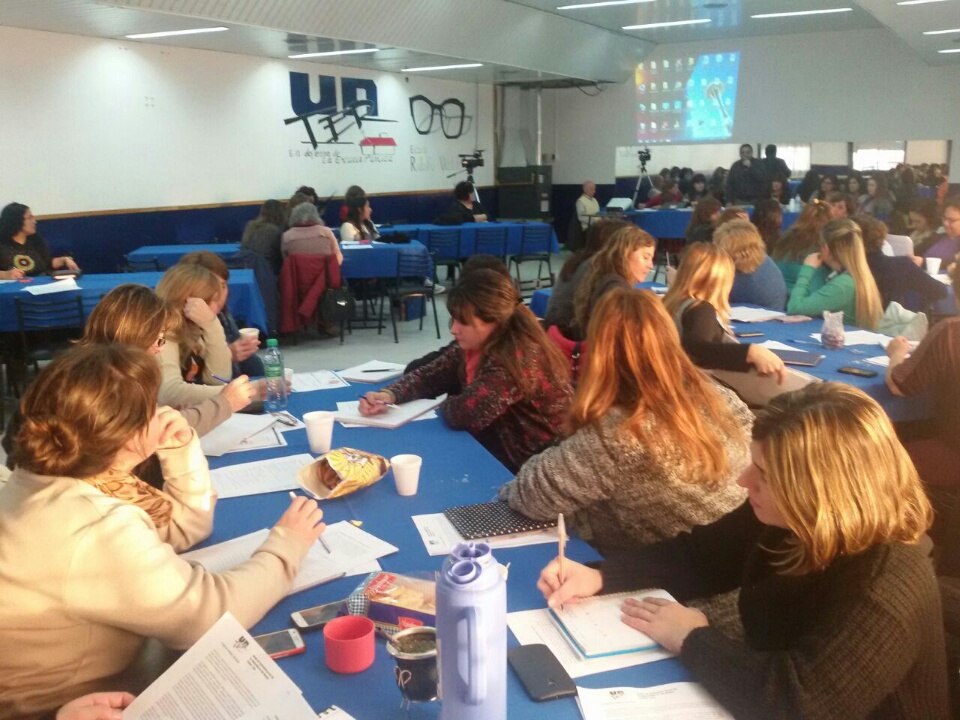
129	315
84	407
518	338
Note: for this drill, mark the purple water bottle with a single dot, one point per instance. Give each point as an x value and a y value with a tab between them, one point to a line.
472	635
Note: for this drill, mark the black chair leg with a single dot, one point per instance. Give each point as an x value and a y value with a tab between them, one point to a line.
393	319
436	320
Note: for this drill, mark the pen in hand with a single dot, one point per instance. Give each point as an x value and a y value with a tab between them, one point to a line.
561	541
293	496
379	402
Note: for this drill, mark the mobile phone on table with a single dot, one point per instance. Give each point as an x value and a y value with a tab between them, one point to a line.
316	617
282	643
859	372
749	334
542	675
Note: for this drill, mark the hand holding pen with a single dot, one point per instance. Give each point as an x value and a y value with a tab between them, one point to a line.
304	517
377	402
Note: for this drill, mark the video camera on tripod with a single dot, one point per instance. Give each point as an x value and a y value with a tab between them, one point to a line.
471	161
644	157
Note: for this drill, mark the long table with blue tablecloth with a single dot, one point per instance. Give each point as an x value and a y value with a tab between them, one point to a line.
245	300
899	409
672	223
456	470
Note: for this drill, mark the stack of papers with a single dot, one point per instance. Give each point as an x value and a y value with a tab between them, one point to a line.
677	700
739	313
256	478
242	432
317	380
860	337
352	552
57	286
348	413
440	536
374	371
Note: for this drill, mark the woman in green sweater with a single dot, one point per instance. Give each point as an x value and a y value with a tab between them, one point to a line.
849	287
839	602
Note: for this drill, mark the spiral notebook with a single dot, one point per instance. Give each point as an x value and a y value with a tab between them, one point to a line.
496	519
594	628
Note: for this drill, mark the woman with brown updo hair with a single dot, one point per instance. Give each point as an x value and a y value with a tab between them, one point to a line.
89	569
198	350
800	240
507	383
703	219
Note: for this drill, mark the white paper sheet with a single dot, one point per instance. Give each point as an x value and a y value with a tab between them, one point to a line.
352	552
676	701
357	372
431	415
263	476
887	340
232	432
739	313
225	670
775	345
349	412
54	287
536	626
879	361
269	438
860	337
317	380
440	536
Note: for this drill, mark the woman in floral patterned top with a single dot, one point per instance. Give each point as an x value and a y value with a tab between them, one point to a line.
507	383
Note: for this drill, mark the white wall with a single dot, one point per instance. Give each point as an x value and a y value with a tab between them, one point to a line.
89	124
815	88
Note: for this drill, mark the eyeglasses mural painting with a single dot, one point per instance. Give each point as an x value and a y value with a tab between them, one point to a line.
452	114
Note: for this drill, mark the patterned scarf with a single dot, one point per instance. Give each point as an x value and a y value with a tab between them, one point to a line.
131	489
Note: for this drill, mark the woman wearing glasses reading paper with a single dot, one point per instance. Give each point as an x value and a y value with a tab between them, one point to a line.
89	569
507	383
839	602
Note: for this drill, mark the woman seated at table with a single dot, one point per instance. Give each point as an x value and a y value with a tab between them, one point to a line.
935	366
85	575
670	195
842	205
699	303
196	353
898	278
758	280
308	235
855	186
262	234
698	189
23	252
768	219
849	286
924	221
878	200
703	220
653	446
780	189
624	261
801	239
560	306
358	225
508	384
828	184
839	603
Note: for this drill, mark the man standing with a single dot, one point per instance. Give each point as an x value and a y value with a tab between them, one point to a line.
747	181
587	204
774	165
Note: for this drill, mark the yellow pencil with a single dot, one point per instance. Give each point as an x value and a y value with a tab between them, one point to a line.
561	541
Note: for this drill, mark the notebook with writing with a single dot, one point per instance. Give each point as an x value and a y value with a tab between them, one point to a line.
496	519
595	629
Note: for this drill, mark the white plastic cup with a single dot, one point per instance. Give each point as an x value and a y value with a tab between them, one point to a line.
288	375
250	333
319	430
406	473
933	265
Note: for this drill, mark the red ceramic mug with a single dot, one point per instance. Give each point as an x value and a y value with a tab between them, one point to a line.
348	643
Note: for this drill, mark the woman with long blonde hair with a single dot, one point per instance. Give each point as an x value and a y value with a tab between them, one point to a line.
849	287
840	606
197	349
506	382
652	445
624	261
699	303
800	240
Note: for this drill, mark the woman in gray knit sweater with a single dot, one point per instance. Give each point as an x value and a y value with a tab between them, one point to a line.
654	445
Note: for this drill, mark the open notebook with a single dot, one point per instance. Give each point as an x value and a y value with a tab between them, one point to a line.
594	627
394	417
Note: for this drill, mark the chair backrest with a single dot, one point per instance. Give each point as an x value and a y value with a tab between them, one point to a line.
573	350
536	238
902	245
444	244
491	241
49	314
413	264
147	265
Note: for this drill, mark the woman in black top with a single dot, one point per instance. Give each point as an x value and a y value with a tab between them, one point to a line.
22	250
839	602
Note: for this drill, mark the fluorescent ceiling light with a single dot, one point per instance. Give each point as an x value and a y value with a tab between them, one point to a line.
675	23
169	33
442	67
952	50
798	13
917	2
606	3
941	32
334	52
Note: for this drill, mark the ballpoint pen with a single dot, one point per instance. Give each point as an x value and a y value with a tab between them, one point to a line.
379	402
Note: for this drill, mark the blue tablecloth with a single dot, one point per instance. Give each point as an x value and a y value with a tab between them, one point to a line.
663	224
168	255
245	300
377	260
456	471
468	234
540	297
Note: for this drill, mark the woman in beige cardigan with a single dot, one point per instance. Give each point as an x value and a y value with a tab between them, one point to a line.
88	567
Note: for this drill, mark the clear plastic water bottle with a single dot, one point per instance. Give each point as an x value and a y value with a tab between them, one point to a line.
273	370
